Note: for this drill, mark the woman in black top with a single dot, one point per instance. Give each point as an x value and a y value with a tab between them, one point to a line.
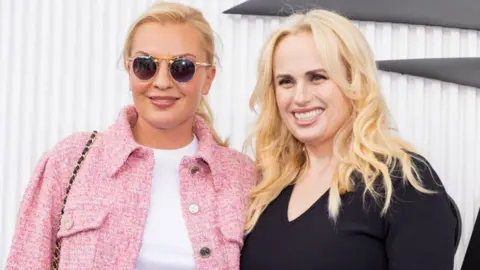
338	190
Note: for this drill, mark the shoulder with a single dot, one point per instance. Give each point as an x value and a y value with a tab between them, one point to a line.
71	144
421	224
237	164
62	157
231	158
424	173
69	147
408	198
428	191
54	168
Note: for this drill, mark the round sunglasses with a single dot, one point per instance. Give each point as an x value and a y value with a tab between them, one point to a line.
182	69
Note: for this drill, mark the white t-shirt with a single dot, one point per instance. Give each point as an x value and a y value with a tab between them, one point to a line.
166	244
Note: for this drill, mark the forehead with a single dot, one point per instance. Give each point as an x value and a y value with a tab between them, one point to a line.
296	54
160	39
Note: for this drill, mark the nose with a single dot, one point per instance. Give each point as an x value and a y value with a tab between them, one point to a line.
302	94
163	79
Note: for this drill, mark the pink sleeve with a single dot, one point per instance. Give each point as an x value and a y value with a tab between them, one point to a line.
34	238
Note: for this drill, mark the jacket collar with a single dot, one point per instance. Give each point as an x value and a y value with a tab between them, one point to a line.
119	143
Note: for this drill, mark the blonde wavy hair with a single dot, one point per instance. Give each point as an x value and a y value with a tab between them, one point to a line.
363	146
167	12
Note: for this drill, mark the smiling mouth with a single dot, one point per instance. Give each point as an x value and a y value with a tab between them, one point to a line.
163	98
163	102
166	101
309	115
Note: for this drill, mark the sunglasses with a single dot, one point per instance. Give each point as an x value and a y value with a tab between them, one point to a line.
182	69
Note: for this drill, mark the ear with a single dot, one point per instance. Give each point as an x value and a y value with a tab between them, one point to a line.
211	72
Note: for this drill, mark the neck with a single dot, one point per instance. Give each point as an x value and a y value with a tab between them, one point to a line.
320	156
147	135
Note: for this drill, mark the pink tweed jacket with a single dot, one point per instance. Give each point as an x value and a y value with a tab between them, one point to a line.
107	207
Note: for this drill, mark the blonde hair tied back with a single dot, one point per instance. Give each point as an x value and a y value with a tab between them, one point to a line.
167	12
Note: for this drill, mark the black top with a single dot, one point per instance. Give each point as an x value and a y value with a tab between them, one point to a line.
418	232
472	256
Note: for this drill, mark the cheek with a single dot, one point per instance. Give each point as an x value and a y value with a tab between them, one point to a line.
346	107
191	92
283	100
340	105
138	87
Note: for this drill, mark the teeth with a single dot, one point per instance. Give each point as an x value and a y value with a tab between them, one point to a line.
308	115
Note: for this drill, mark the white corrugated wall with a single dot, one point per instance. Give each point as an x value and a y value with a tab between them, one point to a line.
60	73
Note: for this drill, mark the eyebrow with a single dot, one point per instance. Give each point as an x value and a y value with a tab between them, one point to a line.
173	56
186	54
320	70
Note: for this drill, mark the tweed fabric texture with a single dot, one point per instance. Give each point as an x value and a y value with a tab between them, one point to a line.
105	214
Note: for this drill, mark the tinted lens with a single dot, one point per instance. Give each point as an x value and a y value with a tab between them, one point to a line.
144	67
182	69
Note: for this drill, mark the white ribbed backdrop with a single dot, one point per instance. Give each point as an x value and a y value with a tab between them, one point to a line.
60	72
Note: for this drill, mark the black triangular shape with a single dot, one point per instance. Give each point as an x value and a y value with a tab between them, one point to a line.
446	13
464	71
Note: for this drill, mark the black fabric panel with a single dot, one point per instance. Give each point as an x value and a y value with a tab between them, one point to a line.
464	71
472	257
448	13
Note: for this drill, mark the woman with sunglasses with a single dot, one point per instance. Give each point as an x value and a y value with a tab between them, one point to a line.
339	191
159	189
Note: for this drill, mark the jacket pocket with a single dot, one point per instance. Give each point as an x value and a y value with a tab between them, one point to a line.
81	229
79	220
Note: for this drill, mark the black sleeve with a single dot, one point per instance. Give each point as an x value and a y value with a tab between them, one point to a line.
421	228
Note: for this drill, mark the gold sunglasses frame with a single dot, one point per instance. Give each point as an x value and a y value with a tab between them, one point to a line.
169	60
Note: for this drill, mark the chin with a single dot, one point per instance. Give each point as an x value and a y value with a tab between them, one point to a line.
162	125
168	121
308	135
161	121
306	139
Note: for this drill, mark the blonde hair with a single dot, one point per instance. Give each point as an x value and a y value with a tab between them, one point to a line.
363	146
166	12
